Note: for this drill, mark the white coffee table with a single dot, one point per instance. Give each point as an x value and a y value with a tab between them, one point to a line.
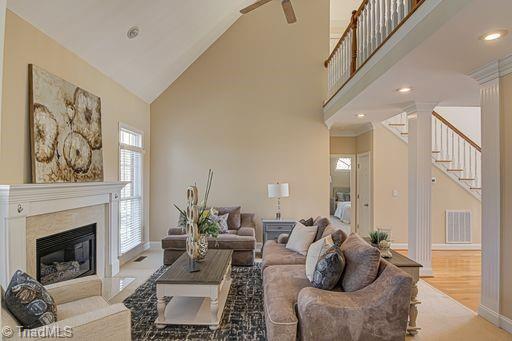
198	298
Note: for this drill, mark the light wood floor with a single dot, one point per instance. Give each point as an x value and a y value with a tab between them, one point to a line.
457	274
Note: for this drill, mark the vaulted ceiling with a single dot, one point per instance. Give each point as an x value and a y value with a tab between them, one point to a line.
173	33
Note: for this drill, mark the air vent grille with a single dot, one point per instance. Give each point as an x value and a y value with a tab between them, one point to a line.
458	227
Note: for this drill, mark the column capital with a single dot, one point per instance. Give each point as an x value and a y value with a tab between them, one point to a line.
493	70
413	108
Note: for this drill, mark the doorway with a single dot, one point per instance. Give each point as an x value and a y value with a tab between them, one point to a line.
364	202
342	191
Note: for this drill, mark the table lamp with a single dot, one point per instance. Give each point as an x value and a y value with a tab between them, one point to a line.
278	191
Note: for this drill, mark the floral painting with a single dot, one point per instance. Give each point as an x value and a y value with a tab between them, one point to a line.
65	129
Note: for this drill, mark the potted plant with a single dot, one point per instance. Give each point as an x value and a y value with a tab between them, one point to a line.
207	226
381	240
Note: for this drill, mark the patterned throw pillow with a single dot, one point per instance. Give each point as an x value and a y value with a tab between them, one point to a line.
222	220
307	222
29	302
329	268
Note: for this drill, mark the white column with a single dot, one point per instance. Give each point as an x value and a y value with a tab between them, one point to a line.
488	78
420	184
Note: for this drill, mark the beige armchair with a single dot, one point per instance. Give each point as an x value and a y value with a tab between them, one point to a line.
81	307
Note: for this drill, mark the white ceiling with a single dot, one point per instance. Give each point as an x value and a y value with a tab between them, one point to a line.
174	33
438	67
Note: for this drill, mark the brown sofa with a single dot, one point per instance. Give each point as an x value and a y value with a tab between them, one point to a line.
296	310
241	238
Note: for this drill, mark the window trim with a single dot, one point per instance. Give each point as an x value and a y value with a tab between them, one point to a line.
123	126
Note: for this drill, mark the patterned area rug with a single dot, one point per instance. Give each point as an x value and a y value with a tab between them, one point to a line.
243	317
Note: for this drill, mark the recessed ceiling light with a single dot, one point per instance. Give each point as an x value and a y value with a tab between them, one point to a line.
133	32
404	90
494	35
361	115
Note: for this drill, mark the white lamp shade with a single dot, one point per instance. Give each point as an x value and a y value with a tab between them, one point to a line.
278	190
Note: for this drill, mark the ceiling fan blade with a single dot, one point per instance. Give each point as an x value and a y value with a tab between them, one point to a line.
254	6
289	12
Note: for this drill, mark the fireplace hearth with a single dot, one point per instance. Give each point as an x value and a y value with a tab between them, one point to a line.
67	255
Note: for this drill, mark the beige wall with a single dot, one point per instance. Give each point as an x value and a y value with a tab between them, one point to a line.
390	173
506	196
342	145
250	108
364	142
24	45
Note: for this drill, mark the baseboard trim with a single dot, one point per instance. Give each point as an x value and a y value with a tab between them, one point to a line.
440	247
152	246
506	323
489	314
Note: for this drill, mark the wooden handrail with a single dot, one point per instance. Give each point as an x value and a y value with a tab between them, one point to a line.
457	131
415	4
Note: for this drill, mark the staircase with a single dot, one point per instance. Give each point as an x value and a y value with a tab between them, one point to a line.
453	152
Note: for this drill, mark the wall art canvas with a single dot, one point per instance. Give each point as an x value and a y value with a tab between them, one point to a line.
65	130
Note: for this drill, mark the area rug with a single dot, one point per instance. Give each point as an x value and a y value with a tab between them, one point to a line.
243	317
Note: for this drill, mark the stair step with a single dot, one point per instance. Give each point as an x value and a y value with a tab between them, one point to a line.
466	179
476	188
404	133
397	124
455	170
443	161
436	152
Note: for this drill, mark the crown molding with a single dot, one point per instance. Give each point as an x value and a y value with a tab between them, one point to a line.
493	70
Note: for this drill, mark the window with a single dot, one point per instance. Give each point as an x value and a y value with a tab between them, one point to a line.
344	163
131	154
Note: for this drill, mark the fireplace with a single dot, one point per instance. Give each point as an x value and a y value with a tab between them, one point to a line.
67	255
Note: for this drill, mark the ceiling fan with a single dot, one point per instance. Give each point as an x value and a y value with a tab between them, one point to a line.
287	8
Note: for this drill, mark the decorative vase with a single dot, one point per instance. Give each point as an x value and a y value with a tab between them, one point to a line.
193	235
203	247
385	248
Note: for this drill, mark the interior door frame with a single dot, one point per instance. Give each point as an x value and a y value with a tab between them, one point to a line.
370	190
353	192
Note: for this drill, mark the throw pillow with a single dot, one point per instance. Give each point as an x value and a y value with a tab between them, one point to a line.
29	301
234	218
362	263
222	220
321	224
328	269
315	251
301	238
337	234
308	222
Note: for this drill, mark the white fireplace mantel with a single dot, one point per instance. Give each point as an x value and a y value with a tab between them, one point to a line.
18	202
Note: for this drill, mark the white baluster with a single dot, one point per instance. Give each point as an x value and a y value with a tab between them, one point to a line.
453	148
359	42
436	146
394	12
371	26
378	31
447	150
459	166
389	17
406	7
464	160
400	10
368	33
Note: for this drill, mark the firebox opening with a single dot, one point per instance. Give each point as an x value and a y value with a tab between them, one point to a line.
66	255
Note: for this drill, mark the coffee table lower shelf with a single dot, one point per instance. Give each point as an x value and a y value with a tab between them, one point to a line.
192	304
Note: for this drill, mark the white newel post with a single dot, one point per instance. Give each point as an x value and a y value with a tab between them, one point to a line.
420	184
488	77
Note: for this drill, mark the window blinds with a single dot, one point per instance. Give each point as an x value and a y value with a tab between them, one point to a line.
130	206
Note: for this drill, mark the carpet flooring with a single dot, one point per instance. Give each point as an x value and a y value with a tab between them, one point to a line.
243	317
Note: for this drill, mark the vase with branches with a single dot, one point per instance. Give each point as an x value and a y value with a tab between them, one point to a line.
208	227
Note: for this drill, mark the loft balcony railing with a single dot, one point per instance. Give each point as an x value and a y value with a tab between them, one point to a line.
370	27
